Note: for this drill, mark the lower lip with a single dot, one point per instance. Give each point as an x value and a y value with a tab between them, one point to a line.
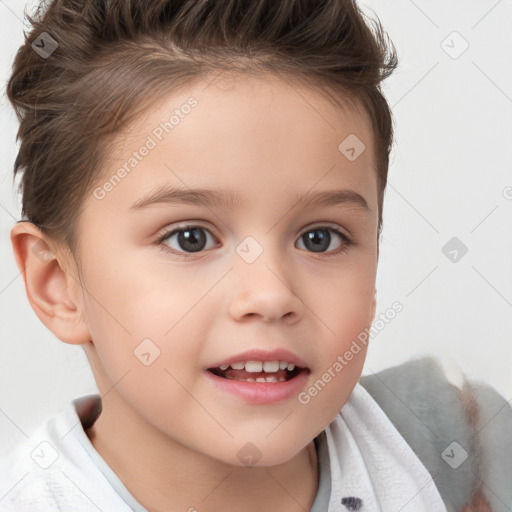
261	392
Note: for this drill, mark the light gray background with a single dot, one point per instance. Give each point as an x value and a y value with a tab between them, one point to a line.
450	176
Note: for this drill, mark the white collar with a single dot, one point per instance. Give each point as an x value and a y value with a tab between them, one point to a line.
372	466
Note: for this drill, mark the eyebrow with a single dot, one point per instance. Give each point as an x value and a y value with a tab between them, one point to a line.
226	198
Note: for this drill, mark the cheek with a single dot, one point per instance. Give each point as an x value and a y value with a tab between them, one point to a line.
329	389
345	349
150	359
145	318
342	301
343	308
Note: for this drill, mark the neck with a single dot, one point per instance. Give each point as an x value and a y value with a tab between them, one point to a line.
164	475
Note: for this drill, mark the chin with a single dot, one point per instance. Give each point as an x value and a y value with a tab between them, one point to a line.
264	453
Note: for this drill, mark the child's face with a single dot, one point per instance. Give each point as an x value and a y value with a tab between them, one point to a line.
265	143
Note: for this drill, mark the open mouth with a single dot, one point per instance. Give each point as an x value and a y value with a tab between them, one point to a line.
258	371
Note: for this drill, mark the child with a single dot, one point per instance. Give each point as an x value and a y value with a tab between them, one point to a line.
228	373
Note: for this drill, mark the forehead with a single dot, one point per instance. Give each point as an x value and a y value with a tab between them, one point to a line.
244	133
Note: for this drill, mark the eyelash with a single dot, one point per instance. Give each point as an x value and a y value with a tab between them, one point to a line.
346	241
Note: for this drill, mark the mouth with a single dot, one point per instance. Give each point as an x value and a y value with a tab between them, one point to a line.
258	371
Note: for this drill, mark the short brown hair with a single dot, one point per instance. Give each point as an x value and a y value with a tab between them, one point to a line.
115	58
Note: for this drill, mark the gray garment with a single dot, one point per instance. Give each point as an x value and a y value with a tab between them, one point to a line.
463	436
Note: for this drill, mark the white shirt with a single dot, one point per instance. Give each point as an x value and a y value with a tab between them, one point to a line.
364	465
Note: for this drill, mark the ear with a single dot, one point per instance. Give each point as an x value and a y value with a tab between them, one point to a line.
52	288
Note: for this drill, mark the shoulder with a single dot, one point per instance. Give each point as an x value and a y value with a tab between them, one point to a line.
30	479
50	471
462	433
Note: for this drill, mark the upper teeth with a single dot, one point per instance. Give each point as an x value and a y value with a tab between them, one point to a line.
258	366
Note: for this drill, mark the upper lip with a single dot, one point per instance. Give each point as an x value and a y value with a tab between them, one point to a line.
258	354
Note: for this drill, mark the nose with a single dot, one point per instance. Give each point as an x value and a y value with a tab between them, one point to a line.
265	289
